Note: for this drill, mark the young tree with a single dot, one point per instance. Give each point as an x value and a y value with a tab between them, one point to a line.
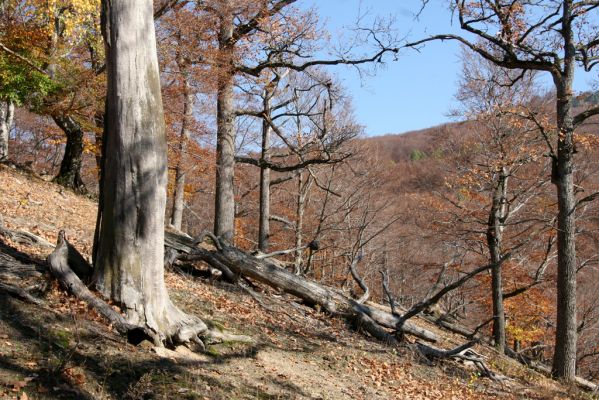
552	37
129	252
304	116
505	144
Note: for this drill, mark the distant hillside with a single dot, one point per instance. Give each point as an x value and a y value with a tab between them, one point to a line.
425	143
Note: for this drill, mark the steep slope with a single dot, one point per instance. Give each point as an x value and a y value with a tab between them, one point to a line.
61	349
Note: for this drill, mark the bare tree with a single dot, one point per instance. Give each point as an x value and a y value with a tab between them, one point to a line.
491	96
552	37
305	121
237	25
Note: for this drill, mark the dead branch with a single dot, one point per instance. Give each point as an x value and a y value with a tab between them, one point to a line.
358	279
245	265
463	352
421	306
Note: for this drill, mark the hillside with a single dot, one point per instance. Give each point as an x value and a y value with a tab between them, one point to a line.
61	349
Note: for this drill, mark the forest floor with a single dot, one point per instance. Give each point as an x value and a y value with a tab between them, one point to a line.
63	350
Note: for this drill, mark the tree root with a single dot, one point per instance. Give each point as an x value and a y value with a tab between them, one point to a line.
60	268
60	261
20	294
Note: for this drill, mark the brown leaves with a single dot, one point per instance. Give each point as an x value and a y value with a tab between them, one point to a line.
73	375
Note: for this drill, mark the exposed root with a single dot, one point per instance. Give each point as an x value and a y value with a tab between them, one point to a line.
20	294
184	329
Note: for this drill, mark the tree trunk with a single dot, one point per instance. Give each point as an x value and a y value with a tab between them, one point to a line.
70	167
303	188
99	121
299	225
224	202
494	238
181	170
564	359
130	247
264	223
7	112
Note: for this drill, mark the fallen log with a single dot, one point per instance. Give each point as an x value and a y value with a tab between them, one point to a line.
262	270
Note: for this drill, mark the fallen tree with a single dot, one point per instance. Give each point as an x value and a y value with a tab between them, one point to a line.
238	264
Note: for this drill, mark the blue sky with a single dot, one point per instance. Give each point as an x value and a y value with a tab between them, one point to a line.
414	92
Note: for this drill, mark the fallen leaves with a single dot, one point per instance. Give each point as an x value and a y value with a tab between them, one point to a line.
74	376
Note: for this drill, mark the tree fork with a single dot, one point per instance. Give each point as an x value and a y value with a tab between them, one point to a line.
70	167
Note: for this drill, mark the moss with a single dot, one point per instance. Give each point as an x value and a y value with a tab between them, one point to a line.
213	324
60	338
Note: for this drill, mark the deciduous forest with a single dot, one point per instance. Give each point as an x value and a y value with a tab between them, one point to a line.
191	207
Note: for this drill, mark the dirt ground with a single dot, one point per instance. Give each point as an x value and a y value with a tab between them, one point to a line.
63	350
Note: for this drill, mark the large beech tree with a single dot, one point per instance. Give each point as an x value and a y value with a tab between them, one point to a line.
129	253
550	36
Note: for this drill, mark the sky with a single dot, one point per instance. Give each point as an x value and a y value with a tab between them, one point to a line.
416	91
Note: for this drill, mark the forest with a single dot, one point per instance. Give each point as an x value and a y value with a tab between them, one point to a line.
187	183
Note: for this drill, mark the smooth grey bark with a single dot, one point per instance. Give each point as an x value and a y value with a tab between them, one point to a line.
224	201
69	174
99	121
7	112
181	169
264	215
130	247
303	189
495	228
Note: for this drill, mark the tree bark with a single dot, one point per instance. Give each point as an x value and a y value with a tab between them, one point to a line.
130	246
264	222
224	202
181	169
494	241
99	121
70	167
564	359
7	112
302	191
